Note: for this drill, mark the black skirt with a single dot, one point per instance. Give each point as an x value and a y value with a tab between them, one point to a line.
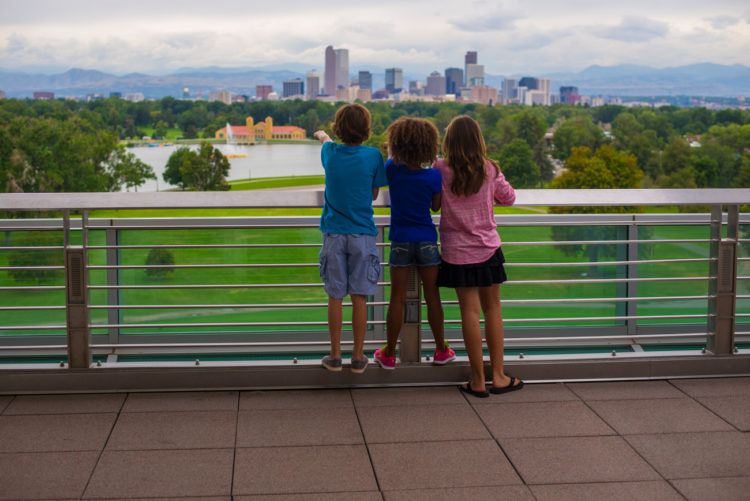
483	274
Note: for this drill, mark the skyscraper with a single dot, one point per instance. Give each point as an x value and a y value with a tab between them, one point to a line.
510	90
471	57
365	80
294	87
474	74
435	84
393	80
569	95
330	72
454	80
314	79
530	83
263	91
342	69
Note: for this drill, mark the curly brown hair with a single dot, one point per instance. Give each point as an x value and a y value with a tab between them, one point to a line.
413	141
352	124
466	153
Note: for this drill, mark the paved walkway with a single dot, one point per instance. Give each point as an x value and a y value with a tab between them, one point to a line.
679	439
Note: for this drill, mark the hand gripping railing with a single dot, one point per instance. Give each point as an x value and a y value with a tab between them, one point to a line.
722	275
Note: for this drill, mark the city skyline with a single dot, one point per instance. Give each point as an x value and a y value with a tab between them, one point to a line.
511	36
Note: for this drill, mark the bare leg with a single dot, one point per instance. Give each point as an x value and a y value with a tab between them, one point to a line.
334	326
435	316
468	301
489	298
395	317
359	324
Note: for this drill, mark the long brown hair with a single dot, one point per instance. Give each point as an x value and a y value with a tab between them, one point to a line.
466	153
413	141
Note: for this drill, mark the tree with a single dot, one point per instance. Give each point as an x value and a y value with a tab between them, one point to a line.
626	129
41	257
178	161
606	168
160	131
159	256
530	128
575	132
204	170
675	156
743	177
126	169
517	163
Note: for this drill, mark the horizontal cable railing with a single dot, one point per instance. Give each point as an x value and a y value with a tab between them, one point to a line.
643	278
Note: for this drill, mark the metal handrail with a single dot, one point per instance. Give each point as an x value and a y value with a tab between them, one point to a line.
624	321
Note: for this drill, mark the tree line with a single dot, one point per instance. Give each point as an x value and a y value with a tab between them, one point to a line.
63	145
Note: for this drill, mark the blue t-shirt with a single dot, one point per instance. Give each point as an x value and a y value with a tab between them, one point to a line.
411	198
352	172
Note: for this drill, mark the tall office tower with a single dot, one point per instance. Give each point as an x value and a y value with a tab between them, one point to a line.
530	83
435	84
474	74
510	90
569	95
393	80
294	87
365	80
470	58
330	72
544	86
262	91
342	68
314	79
454	80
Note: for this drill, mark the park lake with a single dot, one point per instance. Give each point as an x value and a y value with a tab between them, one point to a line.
247	161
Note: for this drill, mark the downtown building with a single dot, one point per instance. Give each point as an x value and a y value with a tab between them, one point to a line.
336	70
394	80
293	88
454	81
314	84
436	84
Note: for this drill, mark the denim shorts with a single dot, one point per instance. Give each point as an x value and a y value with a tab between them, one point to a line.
409	253
349	264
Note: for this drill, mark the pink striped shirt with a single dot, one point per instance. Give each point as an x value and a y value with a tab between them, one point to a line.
468	231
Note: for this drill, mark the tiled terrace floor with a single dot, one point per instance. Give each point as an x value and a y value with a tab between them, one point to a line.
679	439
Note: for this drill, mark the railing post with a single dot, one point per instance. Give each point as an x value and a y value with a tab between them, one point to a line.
113	279
631	307
378	311
723	289
410	349
76	297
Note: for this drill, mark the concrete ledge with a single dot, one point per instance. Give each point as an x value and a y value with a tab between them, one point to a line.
230	375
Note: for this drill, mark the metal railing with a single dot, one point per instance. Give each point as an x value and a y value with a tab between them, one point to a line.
243	292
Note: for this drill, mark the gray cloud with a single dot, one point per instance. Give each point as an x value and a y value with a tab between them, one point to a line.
721	22
484	23
633	29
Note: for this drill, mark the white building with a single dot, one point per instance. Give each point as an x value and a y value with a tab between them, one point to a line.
474	75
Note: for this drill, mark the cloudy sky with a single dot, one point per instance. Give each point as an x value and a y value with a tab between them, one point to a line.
511	36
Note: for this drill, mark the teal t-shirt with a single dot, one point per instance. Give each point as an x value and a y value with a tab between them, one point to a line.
352	172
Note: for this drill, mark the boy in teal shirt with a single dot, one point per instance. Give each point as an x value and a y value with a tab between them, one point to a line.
349	263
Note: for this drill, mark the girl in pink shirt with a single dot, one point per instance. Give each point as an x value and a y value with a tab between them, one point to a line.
470	248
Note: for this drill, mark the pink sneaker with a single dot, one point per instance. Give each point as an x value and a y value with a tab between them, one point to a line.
442	357
386	362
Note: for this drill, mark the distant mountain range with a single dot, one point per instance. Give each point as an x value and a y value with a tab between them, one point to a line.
705	79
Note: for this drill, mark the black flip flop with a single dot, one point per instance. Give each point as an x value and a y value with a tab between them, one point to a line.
507	389
470	391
